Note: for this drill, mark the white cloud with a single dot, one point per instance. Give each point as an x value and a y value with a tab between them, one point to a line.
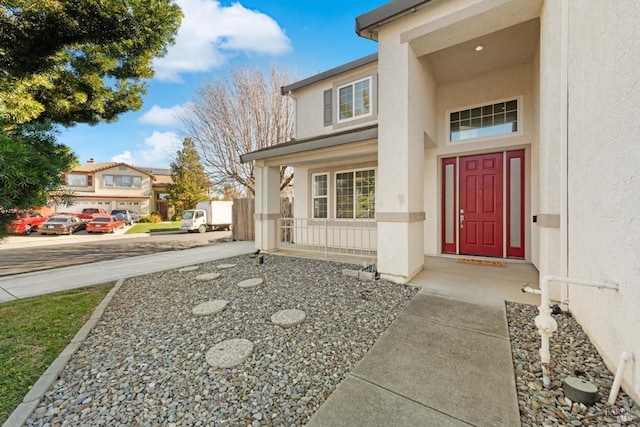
210	33
163	116
159	150
123	157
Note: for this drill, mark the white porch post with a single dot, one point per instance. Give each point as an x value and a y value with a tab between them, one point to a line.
399	194
267	206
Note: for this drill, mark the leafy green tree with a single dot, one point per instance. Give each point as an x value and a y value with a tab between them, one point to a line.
190	182
31	162
79	61
64	62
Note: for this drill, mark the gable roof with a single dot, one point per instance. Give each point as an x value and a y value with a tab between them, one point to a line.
330	73
97	167
366	22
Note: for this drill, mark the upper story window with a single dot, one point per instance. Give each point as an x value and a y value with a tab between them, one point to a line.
355	100
500	118
126	181
76	180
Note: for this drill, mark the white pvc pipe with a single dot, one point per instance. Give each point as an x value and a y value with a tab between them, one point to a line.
547	324
615	388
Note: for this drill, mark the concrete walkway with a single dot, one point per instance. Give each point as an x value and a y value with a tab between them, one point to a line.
445	360
59	279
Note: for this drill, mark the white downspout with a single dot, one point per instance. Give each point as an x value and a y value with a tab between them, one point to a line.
545	323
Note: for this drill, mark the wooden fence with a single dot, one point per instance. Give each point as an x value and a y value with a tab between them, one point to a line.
243	217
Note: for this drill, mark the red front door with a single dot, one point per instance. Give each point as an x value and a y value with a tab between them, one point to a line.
480	210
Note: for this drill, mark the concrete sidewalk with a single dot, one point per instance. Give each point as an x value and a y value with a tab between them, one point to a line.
59	279
444	361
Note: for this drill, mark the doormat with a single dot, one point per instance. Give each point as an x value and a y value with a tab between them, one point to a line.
482	262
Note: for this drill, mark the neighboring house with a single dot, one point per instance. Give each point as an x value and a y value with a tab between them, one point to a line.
161	181
116	185
483	128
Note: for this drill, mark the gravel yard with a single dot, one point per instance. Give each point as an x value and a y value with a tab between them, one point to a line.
572	354
144	363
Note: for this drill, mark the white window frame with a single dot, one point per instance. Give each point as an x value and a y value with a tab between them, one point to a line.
335	191
518	133
113	185
76	176
352	84
314	197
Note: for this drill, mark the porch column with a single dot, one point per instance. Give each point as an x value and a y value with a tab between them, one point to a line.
267	206
399	194
550	226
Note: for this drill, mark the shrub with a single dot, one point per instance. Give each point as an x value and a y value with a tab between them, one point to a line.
154	217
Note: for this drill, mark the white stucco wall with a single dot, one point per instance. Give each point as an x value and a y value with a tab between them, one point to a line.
310	104
604	176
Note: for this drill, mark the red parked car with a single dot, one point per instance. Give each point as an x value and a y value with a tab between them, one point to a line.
104	224
26	222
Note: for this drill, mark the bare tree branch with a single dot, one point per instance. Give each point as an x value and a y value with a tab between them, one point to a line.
243	113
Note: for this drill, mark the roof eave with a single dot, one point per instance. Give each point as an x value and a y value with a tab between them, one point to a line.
330	73
310	144
367	22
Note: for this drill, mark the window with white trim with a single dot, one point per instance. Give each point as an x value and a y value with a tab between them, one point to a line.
500	118
354	99
355	194
76	180
126	181
320	193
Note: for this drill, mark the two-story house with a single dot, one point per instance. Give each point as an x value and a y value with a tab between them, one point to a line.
485	130
116	185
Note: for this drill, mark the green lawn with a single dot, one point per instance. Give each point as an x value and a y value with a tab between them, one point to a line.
150	227
33	332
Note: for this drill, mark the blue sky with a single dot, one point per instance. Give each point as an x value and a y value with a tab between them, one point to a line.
305	36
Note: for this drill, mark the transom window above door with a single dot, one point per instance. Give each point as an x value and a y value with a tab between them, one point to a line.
498	118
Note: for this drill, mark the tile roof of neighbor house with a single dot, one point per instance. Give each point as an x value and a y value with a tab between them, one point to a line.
315	143
330	73
385	13
97	167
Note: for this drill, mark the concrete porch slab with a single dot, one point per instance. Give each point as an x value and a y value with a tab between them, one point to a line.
474	288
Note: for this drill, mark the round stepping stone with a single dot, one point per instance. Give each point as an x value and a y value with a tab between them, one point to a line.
250	283
209	307
225	266
229	353
190	268
206	277
288	318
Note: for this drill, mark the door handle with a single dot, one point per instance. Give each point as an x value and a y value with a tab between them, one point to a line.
461	221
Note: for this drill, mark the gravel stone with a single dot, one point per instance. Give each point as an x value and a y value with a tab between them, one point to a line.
228	354
572	355
288	318
250	283
189	268
145	361
209	307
